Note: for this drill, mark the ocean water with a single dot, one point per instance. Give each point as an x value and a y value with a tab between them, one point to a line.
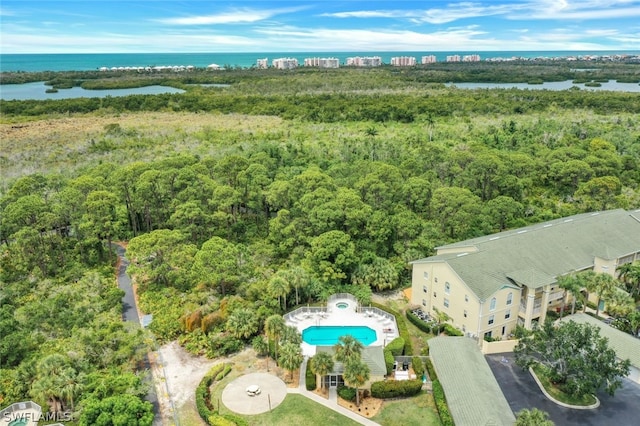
94	61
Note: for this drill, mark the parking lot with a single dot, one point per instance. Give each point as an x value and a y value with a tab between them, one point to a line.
521	391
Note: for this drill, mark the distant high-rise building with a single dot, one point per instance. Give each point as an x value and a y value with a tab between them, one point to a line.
453	58
364	61
263	63
322	62
285	63
403	61
471	58
429	59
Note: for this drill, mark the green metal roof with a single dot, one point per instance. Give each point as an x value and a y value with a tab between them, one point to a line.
536	254
473	394
625	345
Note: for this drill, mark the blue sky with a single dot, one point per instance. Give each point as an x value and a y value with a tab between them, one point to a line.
92	26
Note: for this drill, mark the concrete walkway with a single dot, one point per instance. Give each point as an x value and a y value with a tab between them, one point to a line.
331	403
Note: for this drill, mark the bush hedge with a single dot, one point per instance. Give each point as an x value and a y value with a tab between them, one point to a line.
441	404
422	325
388	360
418	366
310	378
402	327
430	370
396	346
395	388
452	331
347	393
203	394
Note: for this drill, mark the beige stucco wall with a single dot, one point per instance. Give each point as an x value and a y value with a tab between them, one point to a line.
498	347
468	313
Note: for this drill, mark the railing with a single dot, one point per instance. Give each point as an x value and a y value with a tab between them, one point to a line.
20	406
341	296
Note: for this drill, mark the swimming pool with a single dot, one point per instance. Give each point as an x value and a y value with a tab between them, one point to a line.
329	335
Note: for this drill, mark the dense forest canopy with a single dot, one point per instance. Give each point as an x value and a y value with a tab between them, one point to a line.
233	200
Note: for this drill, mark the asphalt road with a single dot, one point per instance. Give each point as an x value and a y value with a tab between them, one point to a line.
521	391
130	314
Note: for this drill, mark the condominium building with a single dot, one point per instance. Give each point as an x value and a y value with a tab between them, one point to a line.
322	62
488	285
285	63
453	58
403	61
429	59
364	61
263	63
471	58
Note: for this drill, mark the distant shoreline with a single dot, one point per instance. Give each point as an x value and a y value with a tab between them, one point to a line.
53	62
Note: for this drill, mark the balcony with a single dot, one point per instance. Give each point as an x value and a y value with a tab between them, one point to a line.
537	309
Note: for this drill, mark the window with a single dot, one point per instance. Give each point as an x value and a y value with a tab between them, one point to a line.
426	275
447	287
509	298
424	288
492	306
466	297
435	294
436	279
503	330
446	302
487	335
507	314
465	313
491	319
424	302
464	328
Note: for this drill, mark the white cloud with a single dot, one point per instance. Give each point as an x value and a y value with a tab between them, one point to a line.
235	16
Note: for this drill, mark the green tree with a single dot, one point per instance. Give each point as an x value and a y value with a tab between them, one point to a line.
356	373
279	287
457	210
570	284
117	410
242	323
274	327
290	357
162	256
321	364
218	263
380	274
347	348
577	358
603	285
533	417
332	256
100	218
629	274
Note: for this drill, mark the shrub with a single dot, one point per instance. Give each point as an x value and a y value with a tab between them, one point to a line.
396	346
347	393
422	325
418	366
217	420
310	379
452	331
441	404
388	360
203	394
402	327
237	420
430	370
260	345
395	388
221	375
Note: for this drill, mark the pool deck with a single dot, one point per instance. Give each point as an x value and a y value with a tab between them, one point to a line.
381	322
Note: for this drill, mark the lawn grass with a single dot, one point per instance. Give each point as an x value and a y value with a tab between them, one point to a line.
294	410
557	393
419	411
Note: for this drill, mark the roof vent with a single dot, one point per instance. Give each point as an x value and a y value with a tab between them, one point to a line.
463	254
522	232
493	238
548	225
568	220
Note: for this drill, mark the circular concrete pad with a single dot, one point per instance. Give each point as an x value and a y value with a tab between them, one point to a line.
235	398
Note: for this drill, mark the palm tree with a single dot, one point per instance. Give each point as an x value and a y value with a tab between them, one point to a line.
321	364
533	417
347	348
279	287
603	285
298	279
242	323
356	373
71	385
570	284
291	357
273	327
630	276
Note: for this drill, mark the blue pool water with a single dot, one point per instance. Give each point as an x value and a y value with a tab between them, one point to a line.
330	334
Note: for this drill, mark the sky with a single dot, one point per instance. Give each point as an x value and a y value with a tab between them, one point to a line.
111	26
